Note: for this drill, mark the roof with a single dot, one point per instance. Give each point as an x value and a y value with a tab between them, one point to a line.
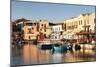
20	20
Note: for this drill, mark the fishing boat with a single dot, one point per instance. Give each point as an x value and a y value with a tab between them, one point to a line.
61	48
44	45
56	48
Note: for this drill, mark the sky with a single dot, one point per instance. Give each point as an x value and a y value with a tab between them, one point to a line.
48	11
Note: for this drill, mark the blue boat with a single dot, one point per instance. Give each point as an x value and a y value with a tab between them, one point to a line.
61	48
56	49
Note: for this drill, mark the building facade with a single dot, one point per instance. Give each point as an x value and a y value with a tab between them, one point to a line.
37	29
82	26
82	23
30	30
44	28
56	31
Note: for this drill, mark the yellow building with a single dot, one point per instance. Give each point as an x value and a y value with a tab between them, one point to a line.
81	23
34	29
44	27
30	30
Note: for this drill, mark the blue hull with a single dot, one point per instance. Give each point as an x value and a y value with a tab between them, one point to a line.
61	49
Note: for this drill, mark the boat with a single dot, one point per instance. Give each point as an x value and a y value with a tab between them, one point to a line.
77	47
56	48
67	45
44	45
61	48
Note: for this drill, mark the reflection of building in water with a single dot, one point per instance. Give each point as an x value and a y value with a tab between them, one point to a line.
26	54
57	58
44	56
83	24
30	54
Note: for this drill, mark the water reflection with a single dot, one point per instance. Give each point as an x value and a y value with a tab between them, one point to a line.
30	54
44	56
57	58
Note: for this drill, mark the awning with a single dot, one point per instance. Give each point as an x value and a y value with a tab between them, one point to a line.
88	39
84	33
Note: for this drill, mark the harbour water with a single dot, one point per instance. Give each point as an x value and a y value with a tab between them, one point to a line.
31	54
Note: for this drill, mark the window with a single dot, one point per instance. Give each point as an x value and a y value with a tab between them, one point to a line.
94	20
34	23
29	37
44	25
45	30
65	27
88	21
81	22
84	21
40	29
29	30
41	24
32	28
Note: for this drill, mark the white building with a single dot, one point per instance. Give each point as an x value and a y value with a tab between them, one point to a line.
56	31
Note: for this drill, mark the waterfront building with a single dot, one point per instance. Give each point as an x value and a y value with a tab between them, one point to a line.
17	30
84	23
37	29
79	27
17	25
44	28
56	31
30	30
